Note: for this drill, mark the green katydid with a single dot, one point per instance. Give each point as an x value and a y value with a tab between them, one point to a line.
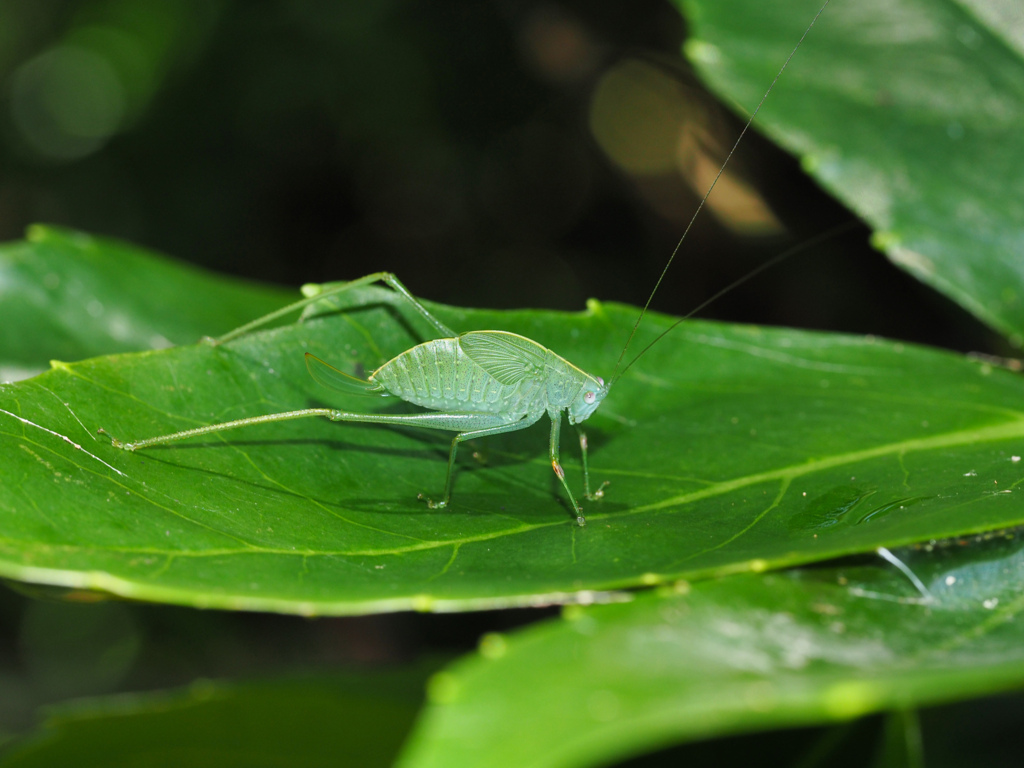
478	383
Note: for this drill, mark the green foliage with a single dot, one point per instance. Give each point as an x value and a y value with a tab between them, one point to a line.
779	447
67	295
728	655
324	721
909	113
735	453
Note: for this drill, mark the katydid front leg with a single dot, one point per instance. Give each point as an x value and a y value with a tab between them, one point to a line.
556	426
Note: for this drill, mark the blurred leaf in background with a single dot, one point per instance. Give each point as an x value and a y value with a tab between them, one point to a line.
67	295
453	144
346	720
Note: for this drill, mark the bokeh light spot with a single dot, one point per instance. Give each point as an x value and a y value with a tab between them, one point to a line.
67	102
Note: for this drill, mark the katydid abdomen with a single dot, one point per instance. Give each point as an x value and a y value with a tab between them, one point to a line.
439	375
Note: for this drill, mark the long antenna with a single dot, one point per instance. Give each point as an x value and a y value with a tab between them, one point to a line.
805	245
704	199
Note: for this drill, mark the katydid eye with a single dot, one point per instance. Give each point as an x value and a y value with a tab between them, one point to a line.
589	397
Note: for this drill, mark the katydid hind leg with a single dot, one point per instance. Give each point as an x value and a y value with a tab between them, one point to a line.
387	278
149	442
451	422
470	426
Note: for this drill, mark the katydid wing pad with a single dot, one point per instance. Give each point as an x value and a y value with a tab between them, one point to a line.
507	357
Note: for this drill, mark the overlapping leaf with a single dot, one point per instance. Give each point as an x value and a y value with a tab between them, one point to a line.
909	112
735	654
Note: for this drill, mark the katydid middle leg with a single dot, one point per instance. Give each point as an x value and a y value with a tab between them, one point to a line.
599	493
481	431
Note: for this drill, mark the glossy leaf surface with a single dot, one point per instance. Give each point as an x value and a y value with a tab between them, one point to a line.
728	449
733	655
909	112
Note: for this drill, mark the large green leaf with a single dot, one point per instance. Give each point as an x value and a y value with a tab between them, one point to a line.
334	720
909	111
66	295
728	448
732	655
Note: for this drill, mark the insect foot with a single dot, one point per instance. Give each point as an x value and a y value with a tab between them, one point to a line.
599	493
431	504
115	442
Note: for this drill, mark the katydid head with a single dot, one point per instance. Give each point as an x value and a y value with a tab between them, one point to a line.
589	398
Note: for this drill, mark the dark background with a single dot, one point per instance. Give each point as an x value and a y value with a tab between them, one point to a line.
449	142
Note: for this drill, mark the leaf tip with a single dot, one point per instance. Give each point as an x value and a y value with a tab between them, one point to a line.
595	308
442	688
702	52
36	233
